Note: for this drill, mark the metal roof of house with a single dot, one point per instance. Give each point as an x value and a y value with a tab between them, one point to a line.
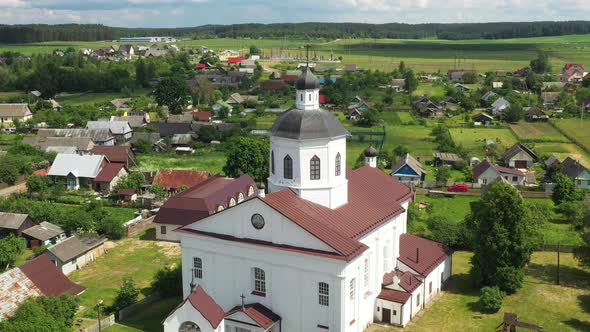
411	162
307	124
97	135
75	246
500	103
86	166
14	110
44	231
572	168
109	172
515	149
176	178
12	220
421	255
116	127
263	316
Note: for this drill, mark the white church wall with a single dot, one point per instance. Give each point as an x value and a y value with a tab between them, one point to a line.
277	229
396	311
187	313
291	280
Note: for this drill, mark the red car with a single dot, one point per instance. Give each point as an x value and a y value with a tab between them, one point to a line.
459	187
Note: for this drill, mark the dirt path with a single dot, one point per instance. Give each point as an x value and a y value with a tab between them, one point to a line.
18	188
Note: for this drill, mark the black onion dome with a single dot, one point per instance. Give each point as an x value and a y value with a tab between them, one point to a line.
370	152
307	81
307	124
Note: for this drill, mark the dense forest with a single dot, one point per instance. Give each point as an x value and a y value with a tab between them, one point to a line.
91	32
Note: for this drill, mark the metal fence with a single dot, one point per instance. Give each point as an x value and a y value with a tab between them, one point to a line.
104	323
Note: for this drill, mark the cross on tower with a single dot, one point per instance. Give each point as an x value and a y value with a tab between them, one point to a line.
307	47
242	297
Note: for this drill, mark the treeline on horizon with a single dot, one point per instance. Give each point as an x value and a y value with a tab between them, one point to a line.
456	31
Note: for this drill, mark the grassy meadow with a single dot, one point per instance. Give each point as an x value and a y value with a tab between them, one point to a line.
204	160
577	130
473	139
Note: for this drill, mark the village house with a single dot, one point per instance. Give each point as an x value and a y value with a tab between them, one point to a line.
577	172
76	171
550	99
98	136
408	170
127	195
462	87
37	277
429	109
135	121
61	144
141	136
119	154
186	117
457	74
201	200
519	156
170	129
485	173
486	97
121	103
331	234
203	116
221	105
535	114
44	234
9	113
120	129
173	179
445	158
573	72
482	119
76	252
237	99
224	55
499	106
109	175
398	84
14	223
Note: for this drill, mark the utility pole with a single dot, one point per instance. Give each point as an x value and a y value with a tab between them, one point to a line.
558	248
98	304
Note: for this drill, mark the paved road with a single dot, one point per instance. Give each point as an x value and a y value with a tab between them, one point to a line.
18	188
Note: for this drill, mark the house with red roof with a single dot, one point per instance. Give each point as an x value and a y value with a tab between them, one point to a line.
322	248
173	179
108	177
573	72
235	59
37	277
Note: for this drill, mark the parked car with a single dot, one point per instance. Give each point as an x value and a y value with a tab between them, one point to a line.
462	187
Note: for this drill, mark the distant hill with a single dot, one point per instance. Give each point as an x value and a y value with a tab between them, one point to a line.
90	32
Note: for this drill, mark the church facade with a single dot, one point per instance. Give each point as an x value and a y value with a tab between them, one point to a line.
326	249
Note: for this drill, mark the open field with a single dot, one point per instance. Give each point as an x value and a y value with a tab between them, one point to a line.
416	138
562	151
385	54
576	129
473	139
538	132
540	301
132	257
96	97
205	160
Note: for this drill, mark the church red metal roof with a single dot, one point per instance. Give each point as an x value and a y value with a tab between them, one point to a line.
421	255
262	315
205	304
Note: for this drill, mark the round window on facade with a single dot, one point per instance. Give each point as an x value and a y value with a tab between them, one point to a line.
257	221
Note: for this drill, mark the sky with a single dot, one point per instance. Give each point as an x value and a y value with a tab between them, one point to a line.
189	13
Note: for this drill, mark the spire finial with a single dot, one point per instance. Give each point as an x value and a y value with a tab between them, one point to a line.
307	47
242	297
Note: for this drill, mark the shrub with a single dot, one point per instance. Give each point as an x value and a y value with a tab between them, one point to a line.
509	279
127	294
491	299
38	250
169	281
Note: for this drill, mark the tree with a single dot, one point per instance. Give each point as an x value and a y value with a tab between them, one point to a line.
402	67
174	93
38	184
491	299
143	146
8	170
411	81
504	237
141	73
158	191
254	50
564	189
126	295
248	155
369	118
168	281
514	113
445	231
470	78
43	314
400	150
540	65
443	174
208	134
10	248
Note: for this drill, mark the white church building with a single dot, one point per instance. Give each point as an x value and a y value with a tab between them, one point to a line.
326	249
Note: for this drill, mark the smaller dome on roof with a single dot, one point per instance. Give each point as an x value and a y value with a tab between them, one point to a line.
370	152
307	81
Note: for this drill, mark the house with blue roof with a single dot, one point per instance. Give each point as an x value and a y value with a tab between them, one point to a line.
408	170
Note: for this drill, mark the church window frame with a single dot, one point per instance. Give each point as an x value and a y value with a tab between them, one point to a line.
272	162
259	278
250	191
288	167
367	270
352	291
197	268
220	208
338	164
324	294
314	168
232	202
240	198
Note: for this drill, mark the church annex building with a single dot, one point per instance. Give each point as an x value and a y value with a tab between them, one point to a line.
326	249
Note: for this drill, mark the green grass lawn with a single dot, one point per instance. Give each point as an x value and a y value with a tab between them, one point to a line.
149	319
430	90
96	97
130	257
538	132
473	139
207	160
416	138
540	301
562	151
576	129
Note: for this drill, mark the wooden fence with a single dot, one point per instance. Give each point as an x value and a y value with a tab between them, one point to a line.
137	225
130	310
104	323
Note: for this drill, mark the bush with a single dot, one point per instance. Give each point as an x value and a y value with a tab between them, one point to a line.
38	250
445	231
111	228
169	281
509	279
127	294
491	299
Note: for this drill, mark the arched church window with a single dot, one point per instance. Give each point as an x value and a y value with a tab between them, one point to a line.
250	191
272	162
220	208
189	327
314	168
240	198
288	167
232	202
338	166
